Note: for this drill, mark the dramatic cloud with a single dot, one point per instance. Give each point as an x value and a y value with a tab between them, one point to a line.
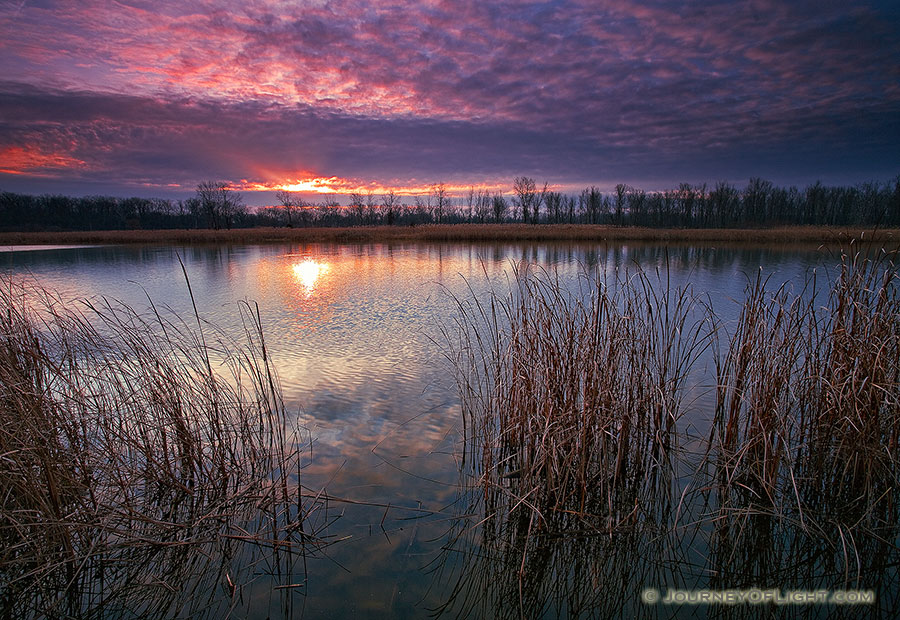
264	92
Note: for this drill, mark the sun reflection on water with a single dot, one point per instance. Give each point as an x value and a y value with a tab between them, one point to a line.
308	273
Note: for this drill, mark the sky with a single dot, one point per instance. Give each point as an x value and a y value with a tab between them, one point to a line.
152	97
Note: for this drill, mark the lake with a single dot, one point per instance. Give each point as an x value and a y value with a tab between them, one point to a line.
358	337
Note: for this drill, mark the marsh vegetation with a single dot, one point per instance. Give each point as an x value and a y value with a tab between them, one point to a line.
149	468
585	480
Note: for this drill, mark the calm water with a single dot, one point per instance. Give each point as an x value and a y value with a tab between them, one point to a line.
356	334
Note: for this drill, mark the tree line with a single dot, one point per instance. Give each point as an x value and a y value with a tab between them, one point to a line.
723	205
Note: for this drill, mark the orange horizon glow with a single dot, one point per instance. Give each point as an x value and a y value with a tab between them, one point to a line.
342	186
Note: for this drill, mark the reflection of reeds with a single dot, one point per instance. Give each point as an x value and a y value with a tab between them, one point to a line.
499	569
571	401
139	461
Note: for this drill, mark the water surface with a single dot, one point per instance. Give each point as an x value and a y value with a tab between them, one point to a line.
357	335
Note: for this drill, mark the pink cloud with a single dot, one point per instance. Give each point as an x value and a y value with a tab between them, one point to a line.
653	78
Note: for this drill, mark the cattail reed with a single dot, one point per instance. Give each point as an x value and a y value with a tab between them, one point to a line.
804	440
572	397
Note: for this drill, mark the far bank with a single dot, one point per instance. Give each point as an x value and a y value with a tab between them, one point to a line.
462	233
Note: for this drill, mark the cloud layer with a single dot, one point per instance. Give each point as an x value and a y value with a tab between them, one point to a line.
136	93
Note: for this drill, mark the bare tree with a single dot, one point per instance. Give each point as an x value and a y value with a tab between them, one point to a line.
209	194
234	208
423	208
389	205
219	204
540	199
723	202
441	200
756	202
288	201
637	207
358	206
554	202
592	204
482	205
686	199
371	203
621	192
570	208
329	211
526	196
500	206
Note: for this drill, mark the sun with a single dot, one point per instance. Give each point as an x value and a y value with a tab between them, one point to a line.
319	185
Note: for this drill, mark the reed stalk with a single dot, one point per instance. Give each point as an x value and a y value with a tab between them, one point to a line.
140	459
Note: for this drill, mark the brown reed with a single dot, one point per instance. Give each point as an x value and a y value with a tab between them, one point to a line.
572	400
141	458
804	440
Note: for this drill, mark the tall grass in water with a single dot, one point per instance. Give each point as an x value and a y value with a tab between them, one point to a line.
576	395
804	442
571	401
141	459
497	572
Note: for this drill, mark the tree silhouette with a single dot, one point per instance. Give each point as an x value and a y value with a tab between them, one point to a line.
526	196
500	205
219	204
289	202
389	205
441	201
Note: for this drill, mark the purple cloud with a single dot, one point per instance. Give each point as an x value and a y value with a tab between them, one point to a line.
648	92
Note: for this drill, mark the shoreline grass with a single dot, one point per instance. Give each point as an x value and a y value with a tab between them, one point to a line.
460	233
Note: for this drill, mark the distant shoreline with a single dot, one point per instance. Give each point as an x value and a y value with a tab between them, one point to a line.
452	233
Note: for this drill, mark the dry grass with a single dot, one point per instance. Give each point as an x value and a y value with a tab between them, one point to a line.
143	460
459	233
805	439
573	398
571	402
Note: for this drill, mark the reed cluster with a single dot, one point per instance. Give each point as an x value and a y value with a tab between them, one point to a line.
572	397
142	458
804	439
573	402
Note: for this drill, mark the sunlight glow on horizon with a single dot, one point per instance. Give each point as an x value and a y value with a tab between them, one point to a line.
328	99
341	186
